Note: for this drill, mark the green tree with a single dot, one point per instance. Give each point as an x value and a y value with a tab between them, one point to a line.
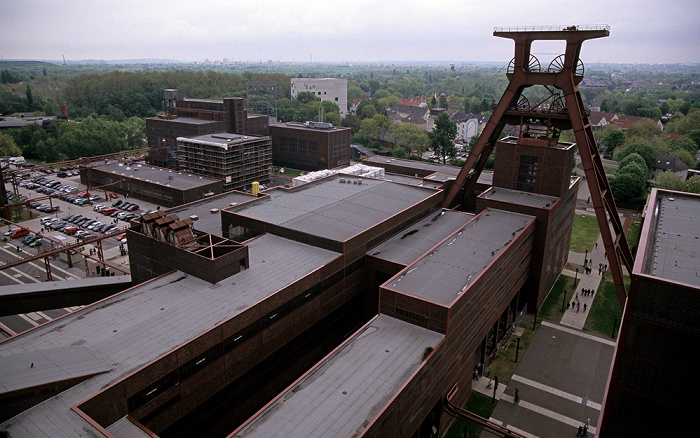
645	129
442	101
633	158
354	93
368	112
685	157
643	149
410	137
612	137
304	97
30	99
625	186
377	127
669	181
352	122
442	137
8	147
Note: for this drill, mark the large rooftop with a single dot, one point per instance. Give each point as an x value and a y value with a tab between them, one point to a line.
171	309
185	120
338	207
466	253
158	175
221	139
414	242
340	396
207	210
672	228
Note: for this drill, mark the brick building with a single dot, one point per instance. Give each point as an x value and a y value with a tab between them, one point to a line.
238	160
195	117
652	380
310	145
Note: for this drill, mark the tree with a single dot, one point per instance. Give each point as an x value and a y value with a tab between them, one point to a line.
633	158
644	129
625	187
368	112
685	157
8	147
644	150
442	137
30	99
612	137
304	97
410	137
442	101
376	127
669	181
352	122
354	93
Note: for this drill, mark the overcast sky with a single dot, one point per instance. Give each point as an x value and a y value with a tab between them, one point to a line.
641	31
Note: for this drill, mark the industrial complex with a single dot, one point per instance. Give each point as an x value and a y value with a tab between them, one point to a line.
350	306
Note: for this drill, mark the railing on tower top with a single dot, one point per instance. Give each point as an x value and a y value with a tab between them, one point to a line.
551	28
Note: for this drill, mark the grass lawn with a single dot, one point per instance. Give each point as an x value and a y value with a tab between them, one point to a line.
479	404
633	234
584	234
605	308
292	172
551	308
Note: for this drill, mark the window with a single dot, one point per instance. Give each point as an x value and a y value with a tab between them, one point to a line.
336	99
527	173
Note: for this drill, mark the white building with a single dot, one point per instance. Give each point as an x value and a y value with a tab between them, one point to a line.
335	90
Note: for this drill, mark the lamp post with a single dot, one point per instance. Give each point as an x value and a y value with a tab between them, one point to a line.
585	260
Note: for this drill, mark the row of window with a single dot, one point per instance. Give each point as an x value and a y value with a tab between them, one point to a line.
298	146
527	173
202	360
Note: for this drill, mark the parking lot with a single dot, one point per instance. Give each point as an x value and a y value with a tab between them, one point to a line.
64	222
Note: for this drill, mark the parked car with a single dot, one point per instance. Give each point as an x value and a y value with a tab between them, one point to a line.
19	232
117	203
36	242
132	207
113	195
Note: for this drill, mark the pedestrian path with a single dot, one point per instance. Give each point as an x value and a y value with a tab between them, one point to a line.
577	313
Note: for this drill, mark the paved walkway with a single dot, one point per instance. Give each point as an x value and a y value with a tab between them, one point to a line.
560	381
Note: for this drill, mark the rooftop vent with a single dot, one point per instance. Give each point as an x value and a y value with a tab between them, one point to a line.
194	217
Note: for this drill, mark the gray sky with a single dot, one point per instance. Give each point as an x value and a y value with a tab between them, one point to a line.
641	31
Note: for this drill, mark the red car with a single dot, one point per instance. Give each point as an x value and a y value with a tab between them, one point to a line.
113	195
19	232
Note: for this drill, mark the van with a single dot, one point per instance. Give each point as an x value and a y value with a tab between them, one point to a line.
16	160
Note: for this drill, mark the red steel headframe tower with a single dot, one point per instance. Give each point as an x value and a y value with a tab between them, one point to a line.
561	109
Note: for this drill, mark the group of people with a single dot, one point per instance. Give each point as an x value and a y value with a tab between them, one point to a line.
602	267
583	429
576	305
587	292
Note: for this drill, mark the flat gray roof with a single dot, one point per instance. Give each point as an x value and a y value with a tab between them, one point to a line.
302	126
443	274
222	138
412	180
414	242
674	238
342	394
186	120
518	197
441	172
171	310
158	175
44	367
560	144
333	209
209	220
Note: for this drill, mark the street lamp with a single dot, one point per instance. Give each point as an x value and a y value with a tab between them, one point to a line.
585	260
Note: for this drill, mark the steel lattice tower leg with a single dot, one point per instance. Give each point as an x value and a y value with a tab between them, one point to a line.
562	75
